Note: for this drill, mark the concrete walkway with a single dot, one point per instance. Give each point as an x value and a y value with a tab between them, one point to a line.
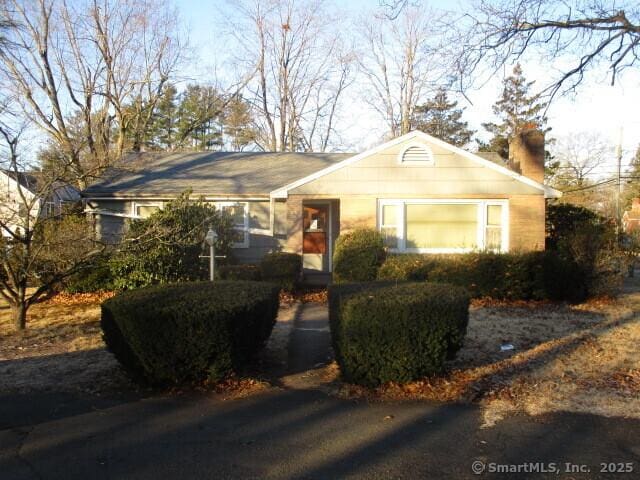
309	346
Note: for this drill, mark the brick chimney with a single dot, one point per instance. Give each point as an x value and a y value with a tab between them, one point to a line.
526	154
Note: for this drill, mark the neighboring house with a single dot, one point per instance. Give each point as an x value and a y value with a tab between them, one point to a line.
631	217
423	194
13	207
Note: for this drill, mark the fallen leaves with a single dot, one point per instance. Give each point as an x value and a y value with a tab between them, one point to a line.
304	296
64	298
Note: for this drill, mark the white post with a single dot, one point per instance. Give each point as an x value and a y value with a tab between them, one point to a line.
212	262
211	238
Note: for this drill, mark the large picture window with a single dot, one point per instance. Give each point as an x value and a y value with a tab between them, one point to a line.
444	226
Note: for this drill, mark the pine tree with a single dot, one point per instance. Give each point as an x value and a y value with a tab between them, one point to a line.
440	118
517	109
199	119
238	123
163	127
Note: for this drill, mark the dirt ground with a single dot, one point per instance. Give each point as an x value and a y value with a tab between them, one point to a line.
577	358
581	358
62	350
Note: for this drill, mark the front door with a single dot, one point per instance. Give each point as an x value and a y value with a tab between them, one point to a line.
316	236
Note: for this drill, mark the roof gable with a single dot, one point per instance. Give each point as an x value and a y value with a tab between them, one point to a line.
409	140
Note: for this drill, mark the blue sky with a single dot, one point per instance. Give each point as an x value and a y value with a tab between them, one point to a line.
596	107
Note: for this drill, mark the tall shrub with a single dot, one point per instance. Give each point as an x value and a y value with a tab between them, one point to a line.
358	256
166	247
589	240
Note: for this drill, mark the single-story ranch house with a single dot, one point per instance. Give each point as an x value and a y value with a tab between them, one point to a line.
423	194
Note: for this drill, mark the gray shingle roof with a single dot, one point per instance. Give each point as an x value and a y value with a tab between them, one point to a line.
492	157
209	173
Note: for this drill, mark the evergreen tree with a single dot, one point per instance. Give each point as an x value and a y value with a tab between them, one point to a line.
517	109
199	124
238	123
163	127
440	118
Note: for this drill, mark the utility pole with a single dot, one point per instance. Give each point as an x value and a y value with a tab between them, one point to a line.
619	191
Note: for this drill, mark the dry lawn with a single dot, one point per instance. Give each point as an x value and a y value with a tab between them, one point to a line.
61	349
581	358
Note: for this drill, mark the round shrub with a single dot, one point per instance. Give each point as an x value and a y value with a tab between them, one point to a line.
398	333
174	333
238	272
358	255
282	268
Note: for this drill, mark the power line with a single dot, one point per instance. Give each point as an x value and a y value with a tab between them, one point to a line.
595	185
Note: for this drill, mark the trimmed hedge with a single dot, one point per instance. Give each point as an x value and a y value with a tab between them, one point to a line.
238	272
526	276
396	333
282	268
358	255
175	333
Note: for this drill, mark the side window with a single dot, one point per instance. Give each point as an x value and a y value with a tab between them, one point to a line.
239	213
145	210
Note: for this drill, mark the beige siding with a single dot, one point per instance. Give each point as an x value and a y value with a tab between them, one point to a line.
382	174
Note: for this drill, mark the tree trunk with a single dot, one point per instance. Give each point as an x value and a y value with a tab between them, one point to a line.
19	313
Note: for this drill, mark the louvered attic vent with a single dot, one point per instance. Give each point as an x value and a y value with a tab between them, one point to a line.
417	154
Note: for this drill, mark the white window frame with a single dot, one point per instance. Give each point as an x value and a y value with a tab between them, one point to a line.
50	209
244	228
421	145
135	205
401	206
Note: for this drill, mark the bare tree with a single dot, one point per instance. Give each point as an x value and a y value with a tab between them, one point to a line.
299	71
38	247
591	33
580	155
400	62
105	60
